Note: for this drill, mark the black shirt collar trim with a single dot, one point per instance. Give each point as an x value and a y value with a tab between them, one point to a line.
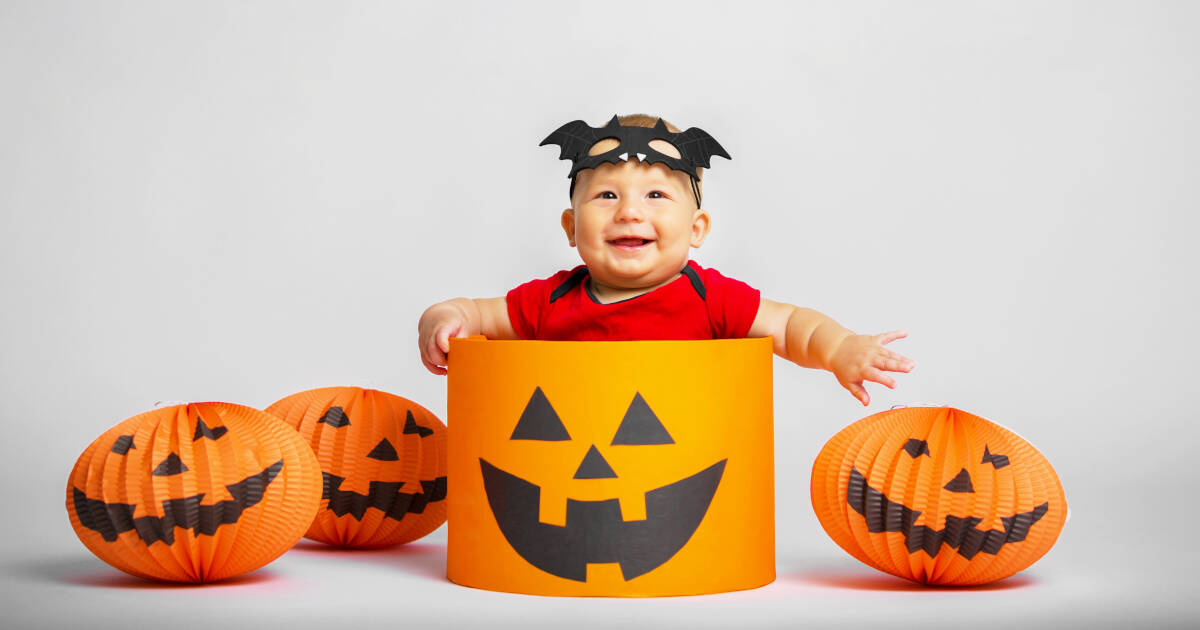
575	278
581	274
697	283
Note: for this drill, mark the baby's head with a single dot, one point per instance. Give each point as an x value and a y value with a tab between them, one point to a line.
634	216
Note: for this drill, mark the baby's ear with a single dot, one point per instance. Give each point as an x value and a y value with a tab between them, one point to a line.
568	225
701	224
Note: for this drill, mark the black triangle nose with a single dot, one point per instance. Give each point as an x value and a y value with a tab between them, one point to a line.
384	452
961	482
172	465
594	466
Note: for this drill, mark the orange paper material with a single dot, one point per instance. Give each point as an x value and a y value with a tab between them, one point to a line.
194	493
937	495
633	468
383	458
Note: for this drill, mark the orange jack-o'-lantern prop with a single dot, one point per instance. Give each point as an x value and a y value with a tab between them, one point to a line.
632	468
383	459
194	493
937	495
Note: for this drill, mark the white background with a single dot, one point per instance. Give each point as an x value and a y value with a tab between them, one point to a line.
240	200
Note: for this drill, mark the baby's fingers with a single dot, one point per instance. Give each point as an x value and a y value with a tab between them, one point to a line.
888	360
432	357
436	369
443	337
890	336
433	353
875	375
859	392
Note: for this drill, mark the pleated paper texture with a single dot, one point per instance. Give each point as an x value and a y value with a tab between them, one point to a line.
631	468
383	460
194	493
938	496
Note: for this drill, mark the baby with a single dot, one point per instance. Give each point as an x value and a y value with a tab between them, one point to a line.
635	213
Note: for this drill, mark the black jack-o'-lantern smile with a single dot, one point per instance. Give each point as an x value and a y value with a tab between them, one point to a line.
595	531
112	519
960	533
385	496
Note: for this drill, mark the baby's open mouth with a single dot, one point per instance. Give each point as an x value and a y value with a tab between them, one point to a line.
630	242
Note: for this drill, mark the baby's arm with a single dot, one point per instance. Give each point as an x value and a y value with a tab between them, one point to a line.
460	317
811	339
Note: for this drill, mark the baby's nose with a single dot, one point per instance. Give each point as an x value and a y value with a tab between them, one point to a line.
629	211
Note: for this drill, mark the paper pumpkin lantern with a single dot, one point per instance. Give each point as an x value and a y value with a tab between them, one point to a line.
194	493
938	496
634	468
383	460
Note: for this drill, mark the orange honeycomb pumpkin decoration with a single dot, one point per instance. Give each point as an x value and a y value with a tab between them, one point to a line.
937	495
383	460
194	493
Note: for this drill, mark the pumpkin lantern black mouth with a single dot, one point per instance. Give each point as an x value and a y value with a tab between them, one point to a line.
960	533
385	496
111	519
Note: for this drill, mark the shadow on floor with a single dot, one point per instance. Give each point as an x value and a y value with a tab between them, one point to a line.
90	571
422	559
870	580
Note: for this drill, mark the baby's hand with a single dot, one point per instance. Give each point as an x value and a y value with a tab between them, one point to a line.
861	358
438	324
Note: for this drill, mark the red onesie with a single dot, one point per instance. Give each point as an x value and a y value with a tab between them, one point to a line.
699	304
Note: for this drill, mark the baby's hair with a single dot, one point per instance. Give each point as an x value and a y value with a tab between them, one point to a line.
645	120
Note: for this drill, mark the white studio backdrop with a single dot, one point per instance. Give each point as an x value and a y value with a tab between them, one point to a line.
237	201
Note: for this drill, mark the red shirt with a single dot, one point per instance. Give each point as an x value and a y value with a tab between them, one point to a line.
699	304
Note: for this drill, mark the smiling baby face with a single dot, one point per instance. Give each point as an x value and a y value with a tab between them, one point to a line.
634	222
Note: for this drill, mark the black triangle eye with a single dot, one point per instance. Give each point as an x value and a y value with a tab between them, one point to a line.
123	444
539	421
916	448
335	417
203	430
411	426
172	465
997	461
641	426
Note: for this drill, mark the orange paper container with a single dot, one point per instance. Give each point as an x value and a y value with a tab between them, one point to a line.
627	468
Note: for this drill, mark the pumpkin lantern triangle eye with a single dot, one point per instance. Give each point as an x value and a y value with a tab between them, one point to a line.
915	448
123	444
411	426
997	461
335	417
641	426
203	430
539	421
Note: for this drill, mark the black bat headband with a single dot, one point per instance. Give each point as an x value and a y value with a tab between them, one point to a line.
695	147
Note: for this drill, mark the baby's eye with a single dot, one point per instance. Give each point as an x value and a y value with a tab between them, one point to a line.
608	194
654	194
